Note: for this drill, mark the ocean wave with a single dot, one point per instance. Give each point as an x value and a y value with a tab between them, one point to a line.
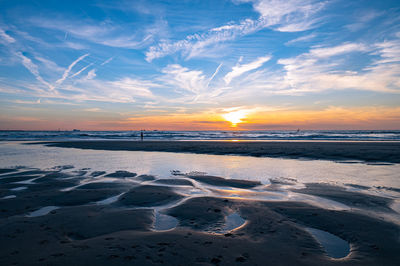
343	135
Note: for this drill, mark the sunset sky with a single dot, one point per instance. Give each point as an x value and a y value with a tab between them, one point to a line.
199	65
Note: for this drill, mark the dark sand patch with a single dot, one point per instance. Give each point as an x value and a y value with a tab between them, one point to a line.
82	196
389	188
57	175
83	222
79	172
52	184
350	198
148	195
29	172
105	185
97	173
283	181
175	182
358	186
203	213
62	167
7	170
339	151
121	174
220	181
30	200
8	180
146	177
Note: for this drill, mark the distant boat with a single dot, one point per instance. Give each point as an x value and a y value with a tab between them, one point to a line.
75	130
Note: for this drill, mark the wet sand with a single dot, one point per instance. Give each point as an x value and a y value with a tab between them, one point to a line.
65	216
374	152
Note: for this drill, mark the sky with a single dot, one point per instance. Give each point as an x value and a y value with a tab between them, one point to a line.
199	65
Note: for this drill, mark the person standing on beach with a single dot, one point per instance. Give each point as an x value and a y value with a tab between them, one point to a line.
141	135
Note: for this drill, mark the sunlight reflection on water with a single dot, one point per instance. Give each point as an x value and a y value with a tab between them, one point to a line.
240	167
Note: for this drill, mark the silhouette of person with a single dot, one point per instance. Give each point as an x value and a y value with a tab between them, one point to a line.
141	134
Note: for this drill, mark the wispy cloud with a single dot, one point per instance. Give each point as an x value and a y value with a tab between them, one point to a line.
280	15
28	64
107	61
214	74
134	87
241	69
289	15
105	33
68	70
362	19
194	45
91	74
95	109
49	64
5	37
184	79
302	39
337	50
322	69
81	70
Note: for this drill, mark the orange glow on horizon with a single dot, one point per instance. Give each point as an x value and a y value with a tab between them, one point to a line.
244	119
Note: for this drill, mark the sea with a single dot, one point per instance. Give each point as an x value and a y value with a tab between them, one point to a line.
323	135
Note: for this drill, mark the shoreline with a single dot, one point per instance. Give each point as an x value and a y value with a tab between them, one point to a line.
369	152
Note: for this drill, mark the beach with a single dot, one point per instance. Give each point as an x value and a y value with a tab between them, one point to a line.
199	203
322	150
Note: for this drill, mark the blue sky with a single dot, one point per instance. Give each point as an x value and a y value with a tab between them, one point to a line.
187	64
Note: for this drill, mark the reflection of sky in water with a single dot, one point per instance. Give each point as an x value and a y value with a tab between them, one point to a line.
334	246
42	211
161	163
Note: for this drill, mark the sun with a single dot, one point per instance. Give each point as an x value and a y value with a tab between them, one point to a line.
235	117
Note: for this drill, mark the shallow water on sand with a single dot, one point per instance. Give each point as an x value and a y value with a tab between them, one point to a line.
334	246
160	164
42	211
280	180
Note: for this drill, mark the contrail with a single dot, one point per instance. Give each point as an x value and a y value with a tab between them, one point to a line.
66	72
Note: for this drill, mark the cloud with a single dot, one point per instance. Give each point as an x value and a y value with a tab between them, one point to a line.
107	61
176	76
362	19
81	70
280	15
104	33
28	64
389	51
124	90
49	64
322	69
91	74
68	70
74	45
214	74
241	69
302	39
337	50
6	38
92	110
134	87
194	45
